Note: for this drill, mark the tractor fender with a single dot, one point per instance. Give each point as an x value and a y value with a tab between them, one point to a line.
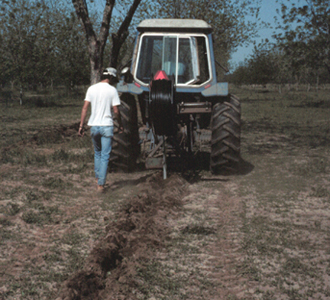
219	89
131	88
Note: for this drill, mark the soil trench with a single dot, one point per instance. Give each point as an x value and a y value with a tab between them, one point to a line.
190	232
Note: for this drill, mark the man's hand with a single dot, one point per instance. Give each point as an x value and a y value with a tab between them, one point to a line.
81	131
117	116
82	118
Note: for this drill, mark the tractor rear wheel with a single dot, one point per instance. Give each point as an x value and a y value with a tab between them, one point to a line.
226	131
125	145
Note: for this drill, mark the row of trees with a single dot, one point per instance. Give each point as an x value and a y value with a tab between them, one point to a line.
301	53
41	45
47	42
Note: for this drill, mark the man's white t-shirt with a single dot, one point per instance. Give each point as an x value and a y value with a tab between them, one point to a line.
102	97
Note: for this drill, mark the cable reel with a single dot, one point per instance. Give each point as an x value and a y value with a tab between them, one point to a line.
161	106
161	114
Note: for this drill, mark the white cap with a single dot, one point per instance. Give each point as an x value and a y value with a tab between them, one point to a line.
110	71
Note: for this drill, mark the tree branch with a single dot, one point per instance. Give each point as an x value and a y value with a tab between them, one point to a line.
120	36
82	13
105	26
124	26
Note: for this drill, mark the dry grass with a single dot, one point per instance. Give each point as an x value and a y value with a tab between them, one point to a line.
286	196
260	234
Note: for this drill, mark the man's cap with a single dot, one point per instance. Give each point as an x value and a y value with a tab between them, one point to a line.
110	71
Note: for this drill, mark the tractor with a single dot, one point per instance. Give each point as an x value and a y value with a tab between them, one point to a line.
172	78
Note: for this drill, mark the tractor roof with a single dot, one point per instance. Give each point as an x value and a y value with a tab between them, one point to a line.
174	25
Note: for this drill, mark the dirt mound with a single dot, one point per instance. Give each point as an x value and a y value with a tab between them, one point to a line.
139	227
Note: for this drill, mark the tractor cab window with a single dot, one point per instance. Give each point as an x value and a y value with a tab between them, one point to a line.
169	55
184	58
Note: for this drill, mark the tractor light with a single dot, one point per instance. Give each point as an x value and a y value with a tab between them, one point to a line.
160	75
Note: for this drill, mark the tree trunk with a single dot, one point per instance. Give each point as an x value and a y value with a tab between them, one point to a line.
117	42
119	38
96	62
96	44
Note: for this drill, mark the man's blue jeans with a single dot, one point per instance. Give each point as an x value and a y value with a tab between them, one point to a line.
102	141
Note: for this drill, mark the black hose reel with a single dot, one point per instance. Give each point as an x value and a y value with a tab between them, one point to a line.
161	107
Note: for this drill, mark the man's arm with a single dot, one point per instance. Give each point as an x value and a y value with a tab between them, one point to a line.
117	116
82	118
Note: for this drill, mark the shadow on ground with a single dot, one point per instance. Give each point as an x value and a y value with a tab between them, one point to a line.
195	168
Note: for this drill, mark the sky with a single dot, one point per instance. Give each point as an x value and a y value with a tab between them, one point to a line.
267	14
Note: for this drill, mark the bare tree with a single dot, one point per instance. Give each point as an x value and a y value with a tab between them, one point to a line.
120	36
97	42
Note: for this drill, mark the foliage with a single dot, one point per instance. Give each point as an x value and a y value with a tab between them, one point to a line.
272	63
263	67
40	45
71	51
20	22
308	42
312	30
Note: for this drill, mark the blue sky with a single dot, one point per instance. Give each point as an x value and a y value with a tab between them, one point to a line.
267	14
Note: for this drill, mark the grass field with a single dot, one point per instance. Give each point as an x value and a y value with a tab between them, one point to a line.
286	197
261	234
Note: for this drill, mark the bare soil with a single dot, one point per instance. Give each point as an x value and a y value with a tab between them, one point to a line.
144	231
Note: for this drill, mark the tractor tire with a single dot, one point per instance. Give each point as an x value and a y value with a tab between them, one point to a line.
225	140
125	145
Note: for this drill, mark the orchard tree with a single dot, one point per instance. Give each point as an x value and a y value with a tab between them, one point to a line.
41	43
124	21
308	42
261	67
70	51
97	41
241	75
22	37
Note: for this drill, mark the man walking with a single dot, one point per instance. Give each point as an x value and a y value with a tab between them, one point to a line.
102	96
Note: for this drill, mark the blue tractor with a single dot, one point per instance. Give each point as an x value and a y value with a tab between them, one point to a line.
172	78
